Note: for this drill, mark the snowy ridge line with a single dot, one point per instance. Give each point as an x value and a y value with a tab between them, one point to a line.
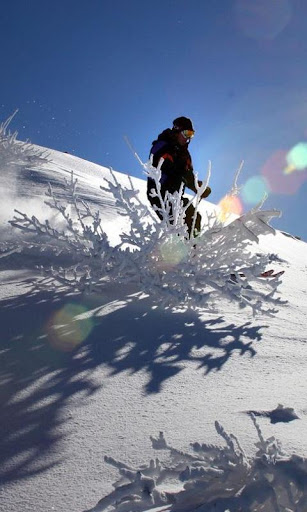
292	236
213	479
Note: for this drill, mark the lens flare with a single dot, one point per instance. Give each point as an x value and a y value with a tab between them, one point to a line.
297	157
173	251
281	175
228	206
66	330
289	169
262	19
255	189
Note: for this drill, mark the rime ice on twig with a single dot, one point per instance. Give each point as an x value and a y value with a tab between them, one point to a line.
214	478
21	154
158	256
155	255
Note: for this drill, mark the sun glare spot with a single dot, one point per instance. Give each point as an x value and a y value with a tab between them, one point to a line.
229	205
297	157
255	189
66	330
173	252
262	19
281	173
289	169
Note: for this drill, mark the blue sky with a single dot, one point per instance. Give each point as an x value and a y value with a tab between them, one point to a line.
85	73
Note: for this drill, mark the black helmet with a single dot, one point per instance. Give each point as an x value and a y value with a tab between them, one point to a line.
182	123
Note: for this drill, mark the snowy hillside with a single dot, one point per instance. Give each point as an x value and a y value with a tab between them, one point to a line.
84	376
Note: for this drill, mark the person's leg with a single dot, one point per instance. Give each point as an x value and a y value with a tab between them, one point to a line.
189	215
155	201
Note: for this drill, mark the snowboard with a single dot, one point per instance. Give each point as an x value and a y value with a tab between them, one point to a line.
267	274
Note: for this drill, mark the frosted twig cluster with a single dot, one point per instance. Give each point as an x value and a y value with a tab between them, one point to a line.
212	479
156	255
82	237
17	153
16	157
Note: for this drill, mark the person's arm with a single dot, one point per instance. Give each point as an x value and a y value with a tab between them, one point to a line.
162	150
190	183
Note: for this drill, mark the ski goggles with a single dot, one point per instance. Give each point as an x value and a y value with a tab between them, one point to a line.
188	134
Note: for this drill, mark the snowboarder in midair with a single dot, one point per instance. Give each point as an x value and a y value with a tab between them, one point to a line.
172	146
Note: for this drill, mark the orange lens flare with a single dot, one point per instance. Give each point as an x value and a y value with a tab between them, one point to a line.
229	205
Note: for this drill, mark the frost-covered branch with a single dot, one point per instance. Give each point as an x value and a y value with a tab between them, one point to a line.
213	478
155	254
86	241
158	256
17	153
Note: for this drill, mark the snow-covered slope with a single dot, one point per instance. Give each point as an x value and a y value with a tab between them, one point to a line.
139	369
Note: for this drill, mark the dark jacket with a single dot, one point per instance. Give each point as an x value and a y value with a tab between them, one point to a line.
177	167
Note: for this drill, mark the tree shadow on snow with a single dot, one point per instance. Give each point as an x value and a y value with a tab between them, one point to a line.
36	383
41	370
162	342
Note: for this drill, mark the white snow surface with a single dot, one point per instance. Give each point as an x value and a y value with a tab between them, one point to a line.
140	369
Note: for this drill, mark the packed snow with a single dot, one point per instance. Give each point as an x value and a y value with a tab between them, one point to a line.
98	360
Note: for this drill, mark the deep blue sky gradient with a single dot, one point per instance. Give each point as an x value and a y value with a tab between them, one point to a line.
85	73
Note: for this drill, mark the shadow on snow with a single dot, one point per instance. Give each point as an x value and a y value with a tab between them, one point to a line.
128	335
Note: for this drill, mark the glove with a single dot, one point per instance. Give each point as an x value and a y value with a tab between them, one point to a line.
206	193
